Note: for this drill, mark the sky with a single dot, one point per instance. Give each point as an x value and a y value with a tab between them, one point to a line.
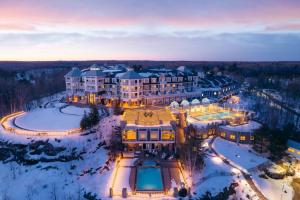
195	30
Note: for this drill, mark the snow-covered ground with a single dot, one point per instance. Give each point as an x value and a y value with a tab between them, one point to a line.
73	110
274	189
216	175
48	119
241	155
51	118
244	157
65	180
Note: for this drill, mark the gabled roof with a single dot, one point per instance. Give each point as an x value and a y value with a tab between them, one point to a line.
97	73
75	72
130	75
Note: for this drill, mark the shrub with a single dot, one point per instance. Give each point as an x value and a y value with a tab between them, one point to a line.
182	192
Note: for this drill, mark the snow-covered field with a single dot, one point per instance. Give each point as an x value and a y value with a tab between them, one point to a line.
241	155
216	175
244	157
274	189
73	110
48	119
65	180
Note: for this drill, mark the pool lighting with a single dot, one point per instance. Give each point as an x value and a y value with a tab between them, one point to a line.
205	144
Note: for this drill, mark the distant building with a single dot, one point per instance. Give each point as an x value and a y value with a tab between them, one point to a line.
156	86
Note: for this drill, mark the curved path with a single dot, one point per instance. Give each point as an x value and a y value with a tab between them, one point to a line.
14	128
245	175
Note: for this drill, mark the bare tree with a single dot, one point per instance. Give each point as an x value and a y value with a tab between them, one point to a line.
79	192
29	192
53	192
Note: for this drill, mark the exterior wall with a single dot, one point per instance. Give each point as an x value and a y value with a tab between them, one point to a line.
149	146
148	138
155	89
131	89
234	136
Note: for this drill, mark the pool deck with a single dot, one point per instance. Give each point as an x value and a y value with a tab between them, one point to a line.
170	170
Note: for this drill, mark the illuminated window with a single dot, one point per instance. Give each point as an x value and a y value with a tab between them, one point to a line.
251	137
154	136
75	98
130	135
243	138
232	137
223	134
167	135
298	152
142	135
291	150
204	136
92	98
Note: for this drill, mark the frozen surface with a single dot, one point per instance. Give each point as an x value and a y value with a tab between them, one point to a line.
48	119
73	110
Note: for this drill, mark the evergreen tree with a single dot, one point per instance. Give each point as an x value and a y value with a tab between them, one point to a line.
118	110
94	115
261	139
84	123
278	144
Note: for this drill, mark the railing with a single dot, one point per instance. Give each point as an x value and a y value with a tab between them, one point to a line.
18	130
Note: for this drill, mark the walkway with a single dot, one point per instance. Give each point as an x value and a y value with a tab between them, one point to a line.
245	175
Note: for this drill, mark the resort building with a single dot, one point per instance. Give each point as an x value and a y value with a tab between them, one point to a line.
145	129
211	119
153	86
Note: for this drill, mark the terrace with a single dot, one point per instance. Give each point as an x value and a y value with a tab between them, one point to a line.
213	112
147	117
147	176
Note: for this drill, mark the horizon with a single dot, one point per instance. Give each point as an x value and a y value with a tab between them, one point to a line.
231	31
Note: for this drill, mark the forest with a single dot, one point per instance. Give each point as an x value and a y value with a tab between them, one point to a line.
17	91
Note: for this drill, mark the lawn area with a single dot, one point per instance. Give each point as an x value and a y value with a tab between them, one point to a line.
241	155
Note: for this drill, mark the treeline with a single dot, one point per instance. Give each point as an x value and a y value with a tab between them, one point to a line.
273	140
15	94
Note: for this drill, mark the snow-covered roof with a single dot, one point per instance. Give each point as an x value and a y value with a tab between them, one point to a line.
184	103
174	104
250	126
195	102
118	75
146	74
184	69
130	75
75	72
205	100
94	72
111	70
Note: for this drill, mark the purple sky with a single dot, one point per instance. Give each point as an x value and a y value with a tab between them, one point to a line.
248	30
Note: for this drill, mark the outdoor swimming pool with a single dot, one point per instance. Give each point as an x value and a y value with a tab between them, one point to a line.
214	116
149	177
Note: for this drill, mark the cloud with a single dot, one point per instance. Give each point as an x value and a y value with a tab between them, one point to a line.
73	46
16	27
284	27
134	29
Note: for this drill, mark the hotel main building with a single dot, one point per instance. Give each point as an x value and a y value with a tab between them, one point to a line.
153	86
